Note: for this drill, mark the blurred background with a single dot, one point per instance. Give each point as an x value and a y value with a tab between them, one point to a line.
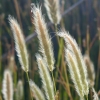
81	18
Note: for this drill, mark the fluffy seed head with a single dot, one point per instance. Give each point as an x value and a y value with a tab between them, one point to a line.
20	90
74	72
53	11
70	42
95	95
7	86
19	44
46	47
36	91
90	69
46	79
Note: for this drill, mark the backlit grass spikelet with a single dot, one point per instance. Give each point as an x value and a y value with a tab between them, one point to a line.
46	47
7	86
19	43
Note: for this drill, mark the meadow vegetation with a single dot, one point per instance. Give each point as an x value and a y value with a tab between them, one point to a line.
65	74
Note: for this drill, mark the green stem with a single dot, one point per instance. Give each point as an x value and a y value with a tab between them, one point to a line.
79	40
59	55
0	62
87	39
60	51
66	79
15	82
98	61
87	97
79	35
56	33
53	82
27	76
29	85
15	78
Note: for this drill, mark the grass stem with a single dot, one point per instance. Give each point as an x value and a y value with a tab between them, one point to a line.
29	86
53	82
87	97
98	73
0	62
56	33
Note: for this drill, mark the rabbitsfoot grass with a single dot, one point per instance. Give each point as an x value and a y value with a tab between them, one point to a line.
7	85
72	46
20	45
45	43
53	11
46	61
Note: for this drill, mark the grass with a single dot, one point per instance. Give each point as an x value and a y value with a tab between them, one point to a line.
66	77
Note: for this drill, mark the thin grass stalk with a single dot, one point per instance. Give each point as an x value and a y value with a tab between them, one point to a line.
67	87
87	97
36	91
15	78
56	30
96	7
54	83
59	56
66	78
60	51
17	11
79	34
60	59
45	43
29	84
61	43
0	61
93	41
72	45
7	86
98	71
46	78
87	40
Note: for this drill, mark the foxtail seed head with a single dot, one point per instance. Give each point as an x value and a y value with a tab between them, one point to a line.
19	44
46	47
70	42
90	69
7	88
46	78
36	91
74	72
53	10
20	90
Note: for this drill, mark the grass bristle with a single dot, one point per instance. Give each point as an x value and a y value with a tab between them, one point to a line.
19	43
7	86
46	78
53	10
74	72
73	47
36	91
46	47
